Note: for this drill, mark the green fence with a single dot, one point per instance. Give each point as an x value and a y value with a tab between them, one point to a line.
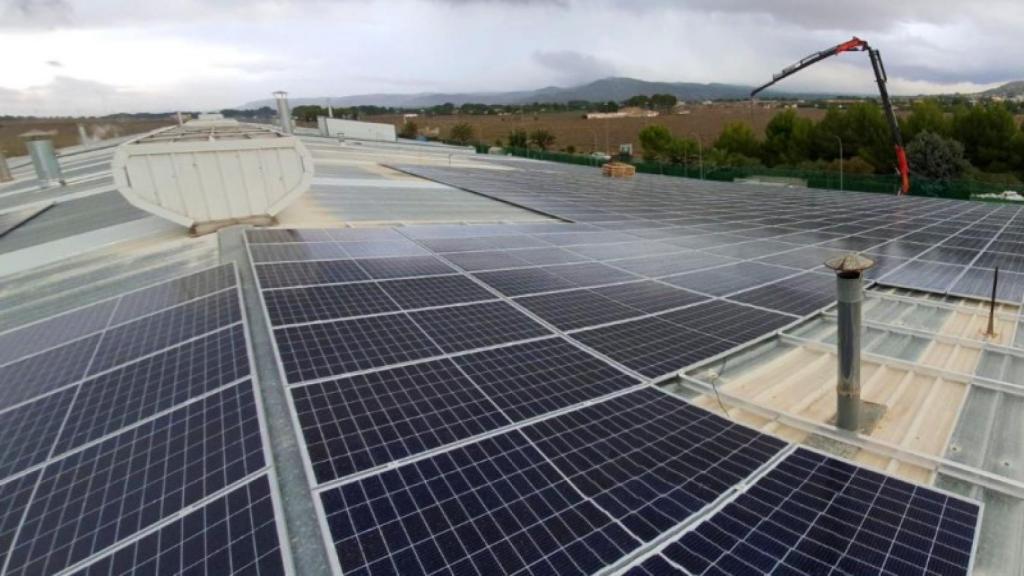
880	183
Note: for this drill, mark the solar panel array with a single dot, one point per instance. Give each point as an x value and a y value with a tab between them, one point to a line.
942	246
131	438
488	407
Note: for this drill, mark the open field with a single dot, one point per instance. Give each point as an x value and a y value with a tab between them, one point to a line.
67	130
571	129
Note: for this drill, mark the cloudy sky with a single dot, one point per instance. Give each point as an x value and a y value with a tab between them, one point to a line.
101	56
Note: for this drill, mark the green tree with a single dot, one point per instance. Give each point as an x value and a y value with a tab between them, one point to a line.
787	139
663	101
986	132
308	113
925	116
935	157
639	101
867	135
738	138
542	138
827	134
461	133
655	141
518	138
409	130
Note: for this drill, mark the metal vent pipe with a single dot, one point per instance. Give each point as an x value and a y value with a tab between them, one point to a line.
44	158
5	170
850	295
284	113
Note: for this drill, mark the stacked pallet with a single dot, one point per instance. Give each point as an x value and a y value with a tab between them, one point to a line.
618	170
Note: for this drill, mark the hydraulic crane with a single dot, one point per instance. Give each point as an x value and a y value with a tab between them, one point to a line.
858	45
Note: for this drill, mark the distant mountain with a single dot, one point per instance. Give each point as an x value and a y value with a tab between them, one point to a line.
617	89
1008	90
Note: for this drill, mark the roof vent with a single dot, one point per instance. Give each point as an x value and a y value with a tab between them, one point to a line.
212	172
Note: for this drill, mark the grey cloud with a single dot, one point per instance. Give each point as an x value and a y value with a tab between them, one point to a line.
571	67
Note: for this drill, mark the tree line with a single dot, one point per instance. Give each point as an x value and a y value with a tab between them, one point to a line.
942	144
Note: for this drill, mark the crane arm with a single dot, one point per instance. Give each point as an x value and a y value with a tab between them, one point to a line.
857	45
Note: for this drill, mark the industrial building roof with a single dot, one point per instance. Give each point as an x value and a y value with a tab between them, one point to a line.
441	362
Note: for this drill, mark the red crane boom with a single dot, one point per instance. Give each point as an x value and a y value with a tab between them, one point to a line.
858	45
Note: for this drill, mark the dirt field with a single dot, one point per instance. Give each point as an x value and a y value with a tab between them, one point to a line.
570	129
67	130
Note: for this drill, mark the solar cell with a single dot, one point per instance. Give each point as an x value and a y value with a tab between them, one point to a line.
46	371
98	496
356	423
920	275
577	309
131	393
533	378
364	234
152	333
334	348
29	431
308	273
435	291
492	507
650	459
815	514
334	301
489	260
756	249
459	328
233	534
167	294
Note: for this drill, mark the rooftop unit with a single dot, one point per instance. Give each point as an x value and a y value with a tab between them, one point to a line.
212	172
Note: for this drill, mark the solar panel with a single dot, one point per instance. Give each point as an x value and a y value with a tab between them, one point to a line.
460	328
383	249
313	351
650	459
131	393
29	431
589	274
435	291
335	301
728	321
15	495
233	534
309	273
799	295
577	309
165	328
649	296
46	371
815	514
524	281
651	346
54	331
728	279
265	236
496	506
403	267
530	379
297	252
655	565
488	260
356	423
178	291
921	275
92	498
666	265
